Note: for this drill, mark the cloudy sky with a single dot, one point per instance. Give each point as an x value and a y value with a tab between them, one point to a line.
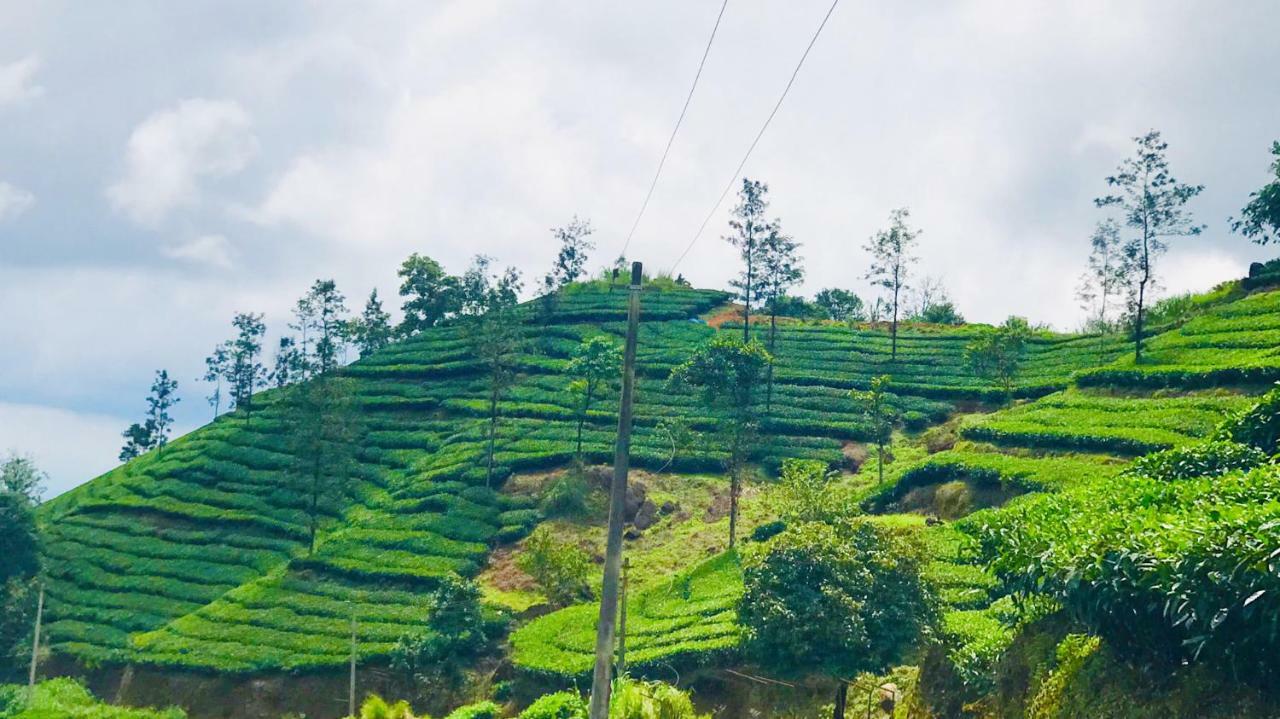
163	165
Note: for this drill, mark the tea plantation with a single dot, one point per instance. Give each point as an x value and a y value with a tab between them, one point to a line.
198	557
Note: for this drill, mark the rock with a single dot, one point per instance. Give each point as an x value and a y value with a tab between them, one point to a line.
854	454
668	507
637	495
632	533
646	516
888	696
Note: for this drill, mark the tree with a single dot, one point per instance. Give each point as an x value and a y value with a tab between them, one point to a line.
561	569
840	305
455	635
726	373
808	492
1260	219
780	270
934	305
891	261
290	364
243	371
1153	204
321	432
942	313
1104	279
879	414
847	597
571	260
431	295
153	432
750	228
996	353
372	331
488	304
19	475
215	368
596	365
320	317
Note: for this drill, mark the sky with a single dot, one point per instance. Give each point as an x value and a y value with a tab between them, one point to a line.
165	165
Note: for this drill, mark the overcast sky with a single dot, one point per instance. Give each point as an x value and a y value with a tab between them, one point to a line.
163	165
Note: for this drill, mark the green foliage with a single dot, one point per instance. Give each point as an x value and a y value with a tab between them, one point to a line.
455	635
1258	426
1177	571
1210	459
595	367
843	598
562	570
375	707
1260	219
560	705
430	294
997	353
19	542
631	699
68	699
566	495
479	710
808	492
840	305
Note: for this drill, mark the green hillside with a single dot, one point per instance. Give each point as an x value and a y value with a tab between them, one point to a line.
197	557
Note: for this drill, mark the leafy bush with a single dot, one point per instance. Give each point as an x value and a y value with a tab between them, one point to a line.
562	570
632	699
768	530
456	634
561	705
1210	459
68	699
1258	426
844	598
1175	571
480	710
375	707
915	421
566	496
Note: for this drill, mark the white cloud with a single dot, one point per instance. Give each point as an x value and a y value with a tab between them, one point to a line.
73	447
14	201
171	151
17	84
213	250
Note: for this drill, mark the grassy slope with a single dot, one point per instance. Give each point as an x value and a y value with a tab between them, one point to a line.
198	557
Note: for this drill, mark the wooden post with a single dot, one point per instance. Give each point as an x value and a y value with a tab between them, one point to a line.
600	680
622	620
35	646
351	689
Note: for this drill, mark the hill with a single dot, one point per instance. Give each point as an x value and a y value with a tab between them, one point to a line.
197	557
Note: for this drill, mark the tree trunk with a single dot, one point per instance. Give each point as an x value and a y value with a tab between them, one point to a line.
842	694
1138	322
493	431
735	486
315	502
773	334
582	417
893	329
880	461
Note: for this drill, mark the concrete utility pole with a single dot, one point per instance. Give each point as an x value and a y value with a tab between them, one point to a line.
622	621
600	681
35	646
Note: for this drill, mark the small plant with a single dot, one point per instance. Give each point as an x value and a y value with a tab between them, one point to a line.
631	699
566	495
562	570
561	705
456	634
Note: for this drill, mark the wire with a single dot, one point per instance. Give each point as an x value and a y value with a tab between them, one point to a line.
760	134
644	205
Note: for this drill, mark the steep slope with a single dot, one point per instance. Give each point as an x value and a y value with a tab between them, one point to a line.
198	557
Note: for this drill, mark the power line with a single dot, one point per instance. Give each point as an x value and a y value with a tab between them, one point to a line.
760	134
644	205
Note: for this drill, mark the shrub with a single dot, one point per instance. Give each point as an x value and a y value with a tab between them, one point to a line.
562	570
561	705
375	707
1258	426
915	421
481	710
768	530
632	699
456	634
846	598
566	496
1210	459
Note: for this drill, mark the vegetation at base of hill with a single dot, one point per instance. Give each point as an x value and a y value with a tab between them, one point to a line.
68	699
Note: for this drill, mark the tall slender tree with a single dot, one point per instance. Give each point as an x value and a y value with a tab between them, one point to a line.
891	261
780	270
575	242
215	368
596	366
750	229
290	364
1154	206
321	432
840	305
430	294
726	373
880	414
1102	283
244	371
320	315
372	330
153	431
489	305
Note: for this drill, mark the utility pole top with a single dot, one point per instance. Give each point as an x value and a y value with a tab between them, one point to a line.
636	275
